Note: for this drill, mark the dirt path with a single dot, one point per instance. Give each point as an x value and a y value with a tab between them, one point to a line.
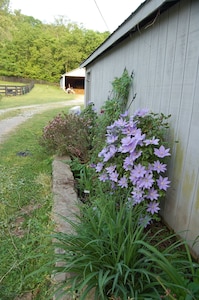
9	124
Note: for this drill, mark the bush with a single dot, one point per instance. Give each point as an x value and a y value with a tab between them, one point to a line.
67	134
133	160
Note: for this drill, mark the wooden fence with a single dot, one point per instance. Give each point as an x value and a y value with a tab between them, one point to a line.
14	90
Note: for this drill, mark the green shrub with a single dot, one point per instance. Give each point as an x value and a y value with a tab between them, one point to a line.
67	134
133	160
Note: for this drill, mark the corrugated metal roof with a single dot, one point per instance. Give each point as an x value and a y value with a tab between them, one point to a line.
131	24
79	72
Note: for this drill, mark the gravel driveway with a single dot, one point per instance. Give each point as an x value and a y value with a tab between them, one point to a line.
9	124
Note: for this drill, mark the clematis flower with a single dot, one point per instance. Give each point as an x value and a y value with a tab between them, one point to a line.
163	183
102	153
146	182
111	139
152	141
120	123
103	177
153	207
128	163
152	194
99	167
114	176
110	169
137	195
110	153
123	182
159	167
162	152
130	128
128	144
138	171
141	112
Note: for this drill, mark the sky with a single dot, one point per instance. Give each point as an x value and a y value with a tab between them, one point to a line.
98	15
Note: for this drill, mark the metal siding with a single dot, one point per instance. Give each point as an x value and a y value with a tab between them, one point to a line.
165	60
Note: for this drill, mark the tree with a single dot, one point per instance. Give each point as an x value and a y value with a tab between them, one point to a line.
4	5
35	50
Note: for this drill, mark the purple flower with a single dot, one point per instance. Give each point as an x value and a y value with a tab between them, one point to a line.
139	136
159	167
161	152
128	163
99	167
130	128
138	171
128	144
152	141
110	169
111	139
103	177
141	112
110	153
110	128
136	154
137	195
129	160
150	168
163	183
146	182
102	153
92	165
133	178
125	114
123	182
153	207
107	156
152	194
120	122
114	176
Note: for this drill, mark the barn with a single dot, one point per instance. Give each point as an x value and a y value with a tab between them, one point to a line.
159	43
73	79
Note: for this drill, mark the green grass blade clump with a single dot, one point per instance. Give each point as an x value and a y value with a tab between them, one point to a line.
110	252
104	244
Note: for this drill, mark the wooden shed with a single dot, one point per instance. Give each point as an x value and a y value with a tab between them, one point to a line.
73	79
159	42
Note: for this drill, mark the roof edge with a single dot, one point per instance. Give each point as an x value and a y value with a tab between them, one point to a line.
141	13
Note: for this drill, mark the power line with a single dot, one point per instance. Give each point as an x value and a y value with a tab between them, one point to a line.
101	15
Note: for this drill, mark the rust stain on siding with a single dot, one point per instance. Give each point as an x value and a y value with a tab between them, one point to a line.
178	161
197	199
188	186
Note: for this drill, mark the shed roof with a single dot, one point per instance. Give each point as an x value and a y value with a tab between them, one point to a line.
79	72
145	14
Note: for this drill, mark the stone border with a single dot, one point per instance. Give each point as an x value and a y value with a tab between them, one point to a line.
65	204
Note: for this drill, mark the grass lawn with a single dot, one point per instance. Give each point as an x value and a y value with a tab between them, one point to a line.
26	200
40	94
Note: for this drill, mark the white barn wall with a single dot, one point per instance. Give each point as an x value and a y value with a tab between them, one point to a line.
165	61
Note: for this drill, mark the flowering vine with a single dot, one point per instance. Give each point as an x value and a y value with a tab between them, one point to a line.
133	159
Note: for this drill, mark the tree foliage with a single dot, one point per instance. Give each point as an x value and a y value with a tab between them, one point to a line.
32	49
